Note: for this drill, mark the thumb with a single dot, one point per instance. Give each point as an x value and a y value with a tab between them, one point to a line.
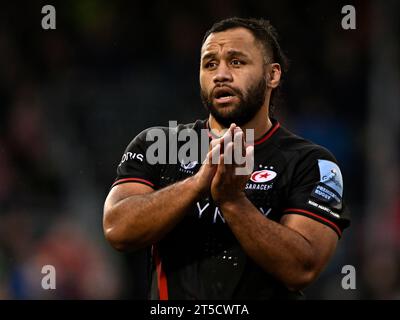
213	155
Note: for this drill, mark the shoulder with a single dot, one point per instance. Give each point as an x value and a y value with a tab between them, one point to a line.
310	162
149	135
301	149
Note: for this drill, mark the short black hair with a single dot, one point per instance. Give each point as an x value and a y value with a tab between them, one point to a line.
265	34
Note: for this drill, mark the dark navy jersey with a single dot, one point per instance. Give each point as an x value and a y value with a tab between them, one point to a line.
201	258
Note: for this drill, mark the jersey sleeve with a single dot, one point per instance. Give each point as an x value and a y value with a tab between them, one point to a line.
134	166
316	191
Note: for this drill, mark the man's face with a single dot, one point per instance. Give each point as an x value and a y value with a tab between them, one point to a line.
232	76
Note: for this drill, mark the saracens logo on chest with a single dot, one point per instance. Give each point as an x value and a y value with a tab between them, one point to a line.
262	176
260	179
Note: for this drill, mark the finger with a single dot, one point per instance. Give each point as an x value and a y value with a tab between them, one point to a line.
216	151
232	129
239	151
249	159
250	151
228	153
248	168
249	137
221	167
226	138
213	143
238	129
243	141
213	155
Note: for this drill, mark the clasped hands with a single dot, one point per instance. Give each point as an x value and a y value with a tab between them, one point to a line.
227	167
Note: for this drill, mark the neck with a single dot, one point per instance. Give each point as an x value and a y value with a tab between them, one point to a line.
260	123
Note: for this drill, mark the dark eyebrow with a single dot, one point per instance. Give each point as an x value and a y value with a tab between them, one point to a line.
237	53
230	53
209	55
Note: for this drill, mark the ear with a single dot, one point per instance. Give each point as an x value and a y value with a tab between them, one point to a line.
274	73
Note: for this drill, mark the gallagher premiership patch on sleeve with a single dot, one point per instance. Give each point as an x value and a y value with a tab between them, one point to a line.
330	187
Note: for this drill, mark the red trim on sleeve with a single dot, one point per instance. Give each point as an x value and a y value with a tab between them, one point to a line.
161	277
333	225
133	180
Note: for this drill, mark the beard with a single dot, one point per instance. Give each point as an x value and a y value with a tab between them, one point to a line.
242	112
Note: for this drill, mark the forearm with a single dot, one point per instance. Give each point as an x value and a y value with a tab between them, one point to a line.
141	220
279	250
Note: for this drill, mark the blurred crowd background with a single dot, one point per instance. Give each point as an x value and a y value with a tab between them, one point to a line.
71	99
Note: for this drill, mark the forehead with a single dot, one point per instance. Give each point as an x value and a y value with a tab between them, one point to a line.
238	39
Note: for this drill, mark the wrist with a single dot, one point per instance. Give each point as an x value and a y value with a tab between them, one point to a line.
194	184
233	202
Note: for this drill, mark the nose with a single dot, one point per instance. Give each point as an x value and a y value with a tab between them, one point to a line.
223	74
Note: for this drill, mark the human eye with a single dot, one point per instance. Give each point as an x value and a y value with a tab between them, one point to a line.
210	65
237	62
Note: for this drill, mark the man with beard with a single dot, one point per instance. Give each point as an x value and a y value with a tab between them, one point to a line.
216	234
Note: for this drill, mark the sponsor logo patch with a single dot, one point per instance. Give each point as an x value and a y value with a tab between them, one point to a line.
329	190
323	193
188	167
331	176
321	207
131	156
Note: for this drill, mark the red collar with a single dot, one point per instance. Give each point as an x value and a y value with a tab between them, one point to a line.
260	140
